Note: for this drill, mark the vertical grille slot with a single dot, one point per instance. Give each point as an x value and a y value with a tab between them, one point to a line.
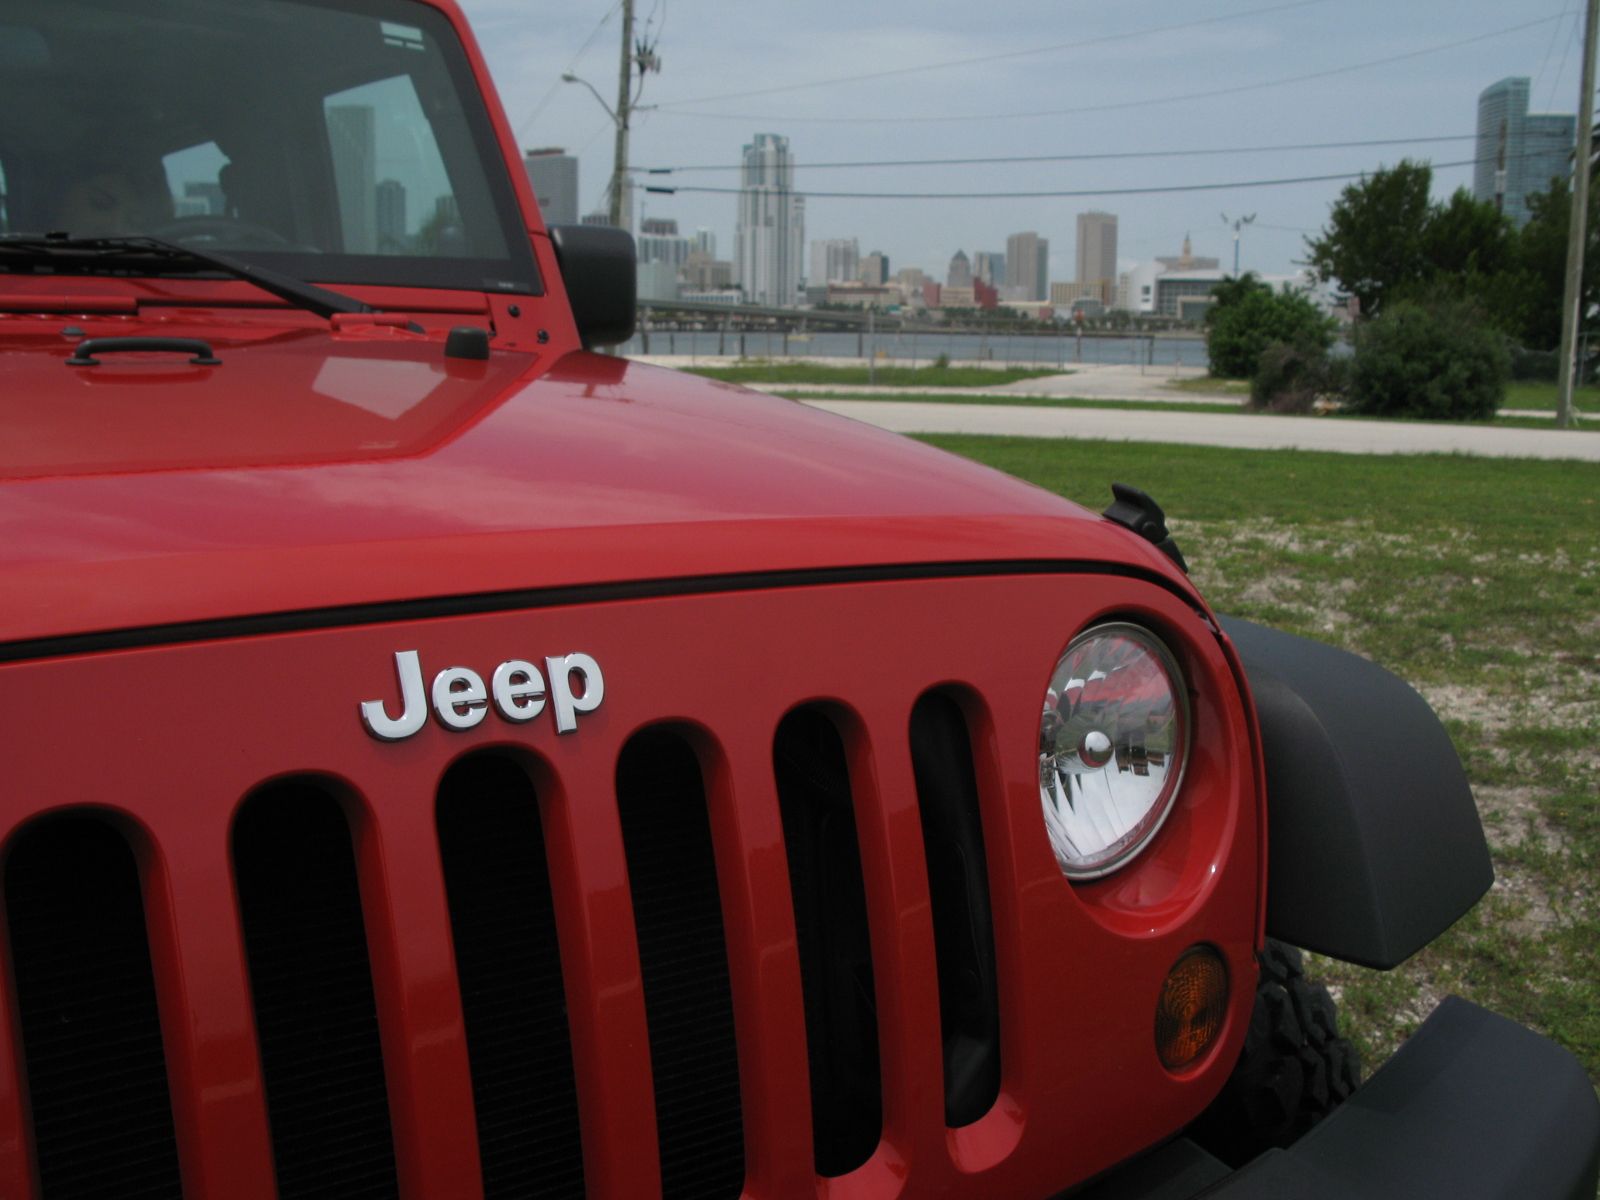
672	871
958	886
91	1033
503	923
830	918
309	973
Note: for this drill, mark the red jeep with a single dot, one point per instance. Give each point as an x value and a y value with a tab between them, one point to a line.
443	761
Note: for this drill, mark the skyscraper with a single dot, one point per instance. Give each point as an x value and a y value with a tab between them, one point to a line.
1027	267
960	274
391	216
554	176
1518	152
353	138
990	267
771	227
660	242
834	260
1097	252
874	268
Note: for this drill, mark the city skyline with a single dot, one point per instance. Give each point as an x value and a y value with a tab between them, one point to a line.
1519	150
735	50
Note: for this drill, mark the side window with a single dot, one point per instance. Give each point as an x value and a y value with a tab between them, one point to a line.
194	179
5	213
394	192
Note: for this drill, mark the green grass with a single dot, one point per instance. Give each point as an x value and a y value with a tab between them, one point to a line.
1477	580
934	377
1022	401
1542	396
1210	385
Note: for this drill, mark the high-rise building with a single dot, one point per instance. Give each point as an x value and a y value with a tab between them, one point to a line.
960	274
209	194
834	260
1027	267
660	242
391	217
554	176
1097	252
874	269
771	228
705	242
353	138
989	266
1519	152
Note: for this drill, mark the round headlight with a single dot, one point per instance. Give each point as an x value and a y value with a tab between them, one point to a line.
1112	743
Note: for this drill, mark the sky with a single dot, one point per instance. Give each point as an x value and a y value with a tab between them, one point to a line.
1061	77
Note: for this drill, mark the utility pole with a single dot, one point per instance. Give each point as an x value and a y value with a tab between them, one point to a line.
1577	228
619	169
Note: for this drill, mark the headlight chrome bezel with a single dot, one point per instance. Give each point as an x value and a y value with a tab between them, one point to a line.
1123	849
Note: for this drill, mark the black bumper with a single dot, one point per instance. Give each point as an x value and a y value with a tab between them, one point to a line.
1472	1107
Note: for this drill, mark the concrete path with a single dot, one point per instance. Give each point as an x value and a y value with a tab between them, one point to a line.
1243	431
1091	381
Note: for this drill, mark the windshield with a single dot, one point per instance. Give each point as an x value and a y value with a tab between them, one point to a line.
336	140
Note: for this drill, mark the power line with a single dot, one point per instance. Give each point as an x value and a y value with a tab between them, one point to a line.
1162	189
987	58
1555	38
1119	104
1095	157
538	108
1561	71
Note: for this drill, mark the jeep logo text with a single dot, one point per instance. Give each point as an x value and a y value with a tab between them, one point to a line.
460	700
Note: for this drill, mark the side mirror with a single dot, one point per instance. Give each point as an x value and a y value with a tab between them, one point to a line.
598	265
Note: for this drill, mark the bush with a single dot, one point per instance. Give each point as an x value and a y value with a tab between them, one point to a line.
1239	331
941	362
1440	362
1292	376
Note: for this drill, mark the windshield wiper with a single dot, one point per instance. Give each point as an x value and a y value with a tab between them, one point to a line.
304	295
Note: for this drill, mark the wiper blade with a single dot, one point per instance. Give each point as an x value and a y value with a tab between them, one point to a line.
309	296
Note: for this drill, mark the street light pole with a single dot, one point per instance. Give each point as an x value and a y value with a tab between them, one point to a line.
1577	228
644	56
1237	225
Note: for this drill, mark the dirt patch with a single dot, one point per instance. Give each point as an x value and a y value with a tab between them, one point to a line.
1473	704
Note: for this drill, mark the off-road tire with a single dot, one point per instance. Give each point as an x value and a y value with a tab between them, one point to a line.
1295	1068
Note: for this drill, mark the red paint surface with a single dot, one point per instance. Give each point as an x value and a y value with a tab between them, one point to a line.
183	733
326	464
316	469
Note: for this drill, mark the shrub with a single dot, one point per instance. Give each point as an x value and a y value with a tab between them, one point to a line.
1292	376
1440	362
1238	332
941	362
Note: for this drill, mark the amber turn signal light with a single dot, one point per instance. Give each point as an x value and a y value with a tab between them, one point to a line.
1194	1000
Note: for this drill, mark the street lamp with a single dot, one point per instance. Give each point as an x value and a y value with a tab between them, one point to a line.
569	77
644	57
1237	225
619	169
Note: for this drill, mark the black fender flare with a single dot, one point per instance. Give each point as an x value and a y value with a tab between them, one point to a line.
1374	846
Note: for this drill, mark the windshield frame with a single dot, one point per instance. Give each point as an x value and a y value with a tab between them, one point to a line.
515	274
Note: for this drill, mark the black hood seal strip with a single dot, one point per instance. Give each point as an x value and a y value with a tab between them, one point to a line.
302	620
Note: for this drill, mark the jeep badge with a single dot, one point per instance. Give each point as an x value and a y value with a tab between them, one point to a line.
461	700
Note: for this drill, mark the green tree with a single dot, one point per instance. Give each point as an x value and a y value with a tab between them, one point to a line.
1376	239
1438	360
1232	290
1465	237
1253	318
1537	278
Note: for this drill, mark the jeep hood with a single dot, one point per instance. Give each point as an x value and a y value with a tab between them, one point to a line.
312	471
